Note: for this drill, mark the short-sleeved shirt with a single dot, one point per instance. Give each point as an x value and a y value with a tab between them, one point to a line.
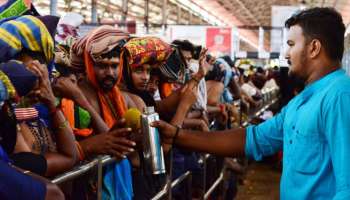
314	132
17	186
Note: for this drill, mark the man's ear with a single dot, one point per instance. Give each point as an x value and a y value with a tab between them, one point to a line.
315	47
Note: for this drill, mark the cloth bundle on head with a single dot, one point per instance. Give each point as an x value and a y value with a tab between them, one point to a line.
88	50
174	67
139	51
13	8
25	32
67	28
50	23
142	50
62	59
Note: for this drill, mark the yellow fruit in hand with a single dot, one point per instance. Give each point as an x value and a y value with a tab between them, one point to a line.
133	118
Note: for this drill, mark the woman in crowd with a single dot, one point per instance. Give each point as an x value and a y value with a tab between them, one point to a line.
28	39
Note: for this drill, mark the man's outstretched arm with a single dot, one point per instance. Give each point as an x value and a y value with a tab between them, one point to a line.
254	141
225	143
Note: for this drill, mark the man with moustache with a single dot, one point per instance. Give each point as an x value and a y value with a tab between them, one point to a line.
313	129
98	53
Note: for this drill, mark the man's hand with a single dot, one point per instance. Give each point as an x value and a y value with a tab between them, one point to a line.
166	130
188	96
203	65
114	143
45	93
223	115
67	87
196	124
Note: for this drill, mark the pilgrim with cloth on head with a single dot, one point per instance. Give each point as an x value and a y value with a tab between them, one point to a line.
42	128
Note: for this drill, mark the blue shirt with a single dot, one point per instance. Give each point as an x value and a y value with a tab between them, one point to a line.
313	131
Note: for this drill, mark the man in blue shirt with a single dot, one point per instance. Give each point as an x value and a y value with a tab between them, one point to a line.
313	130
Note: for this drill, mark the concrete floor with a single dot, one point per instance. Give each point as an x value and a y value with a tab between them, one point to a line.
261	182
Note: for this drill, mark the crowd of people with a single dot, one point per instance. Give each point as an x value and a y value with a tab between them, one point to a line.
63	98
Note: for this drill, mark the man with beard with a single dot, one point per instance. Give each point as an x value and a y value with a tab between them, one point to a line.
99	52
313	129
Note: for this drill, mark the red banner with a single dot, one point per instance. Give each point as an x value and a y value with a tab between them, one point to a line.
219	41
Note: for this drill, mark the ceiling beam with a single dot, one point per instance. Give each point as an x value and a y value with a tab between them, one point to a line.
248	12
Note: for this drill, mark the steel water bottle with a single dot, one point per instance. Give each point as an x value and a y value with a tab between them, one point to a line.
152	148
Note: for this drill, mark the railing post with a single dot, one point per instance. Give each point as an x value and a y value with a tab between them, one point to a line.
99	178
204	175
240	112
170	176
189	186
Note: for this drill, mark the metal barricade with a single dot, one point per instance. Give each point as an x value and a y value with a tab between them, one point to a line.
269	97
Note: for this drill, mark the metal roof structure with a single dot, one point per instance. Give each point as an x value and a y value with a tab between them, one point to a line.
248	15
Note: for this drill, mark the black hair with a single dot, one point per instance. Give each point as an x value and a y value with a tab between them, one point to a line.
39	56
260	70
64	70
215	74
324	24
184	45
115	52
156	72
228	60
241	71
208	57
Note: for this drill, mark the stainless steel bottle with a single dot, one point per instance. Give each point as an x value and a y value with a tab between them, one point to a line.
152	148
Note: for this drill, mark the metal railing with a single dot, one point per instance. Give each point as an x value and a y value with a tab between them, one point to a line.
269	98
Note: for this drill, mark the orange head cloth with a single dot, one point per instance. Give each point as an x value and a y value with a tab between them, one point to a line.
89	50
112	103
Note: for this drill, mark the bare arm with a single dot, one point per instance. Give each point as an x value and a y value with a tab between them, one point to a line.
111	142
188	96
67	87
196	124
224	143
66	156
235	89
214	89
213	109
134	101
248	98
98	125
169	104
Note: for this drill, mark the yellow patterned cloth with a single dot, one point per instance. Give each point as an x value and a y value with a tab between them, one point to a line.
150	50
25	32
6	81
